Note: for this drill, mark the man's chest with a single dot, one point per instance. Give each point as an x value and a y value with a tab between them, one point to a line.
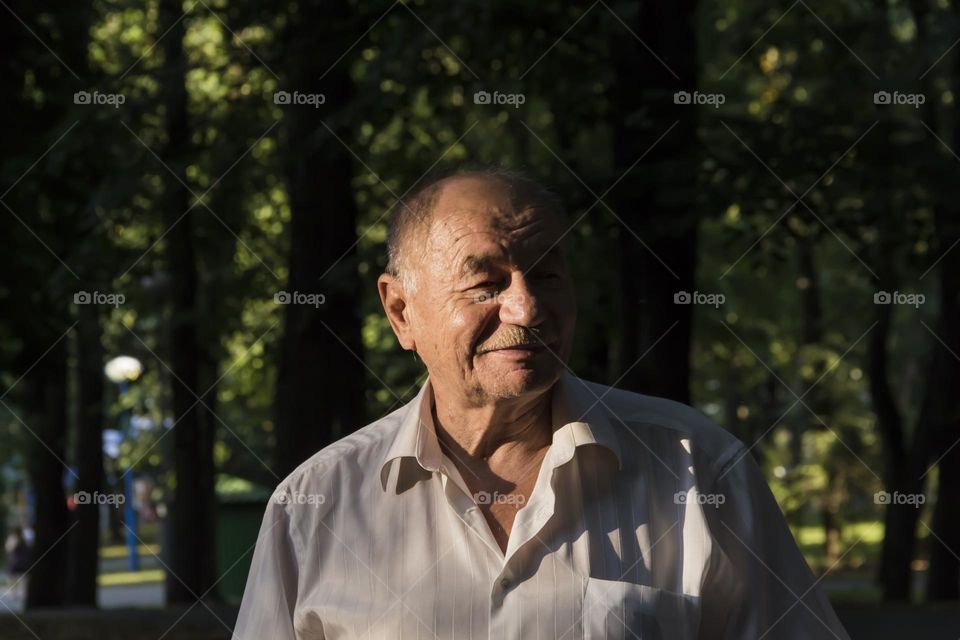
550	604
598	562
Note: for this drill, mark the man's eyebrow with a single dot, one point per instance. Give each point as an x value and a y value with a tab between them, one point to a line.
473	264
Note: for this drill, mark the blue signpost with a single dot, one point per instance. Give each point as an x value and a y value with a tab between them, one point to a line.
122	370
129	512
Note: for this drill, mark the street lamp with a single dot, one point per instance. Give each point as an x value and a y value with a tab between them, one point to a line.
123	370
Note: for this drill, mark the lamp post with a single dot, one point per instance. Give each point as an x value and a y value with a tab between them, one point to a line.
123	370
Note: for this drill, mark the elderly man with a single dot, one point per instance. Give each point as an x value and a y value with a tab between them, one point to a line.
511	499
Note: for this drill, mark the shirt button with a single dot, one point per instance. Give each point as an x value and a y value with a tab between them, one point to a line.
505	582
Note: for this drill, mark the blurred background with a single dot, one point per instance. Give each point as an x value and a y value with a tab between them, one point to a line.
763	216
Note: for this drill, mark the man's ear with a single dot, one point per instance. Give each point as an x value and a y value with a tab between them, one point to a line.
394	301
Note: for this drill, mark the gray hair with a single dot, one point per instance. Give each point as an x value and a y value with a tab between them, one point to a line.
413	212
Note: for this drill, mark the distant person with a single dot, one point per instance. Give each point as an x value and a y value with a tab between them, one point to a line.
18	559
510	498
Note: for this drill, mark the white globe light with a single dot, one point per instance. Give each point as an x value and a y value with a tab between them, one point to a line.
123	369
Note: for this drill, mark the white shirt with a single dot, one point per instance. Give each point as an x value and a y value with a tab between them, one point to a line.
646	521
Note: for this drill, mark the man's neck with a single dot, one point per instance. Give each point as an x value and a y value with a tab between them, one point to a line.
503	431
499	450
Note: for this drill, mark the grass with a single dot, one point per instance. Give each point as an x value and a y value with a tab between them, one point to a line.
120	550
852	580
127	578
870	531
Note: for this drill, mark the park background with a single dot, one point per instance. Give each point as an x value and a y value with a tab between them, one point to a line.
763	211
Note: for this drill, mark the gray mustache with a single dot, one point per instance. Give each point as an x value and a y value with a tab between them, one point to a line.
515	336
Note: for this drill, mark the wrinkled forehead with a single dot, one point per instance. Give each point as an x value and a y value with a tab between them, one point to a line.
488	213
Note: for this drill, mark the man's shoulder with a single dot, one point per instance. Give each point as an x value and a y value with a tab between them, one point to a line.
640	413
354	454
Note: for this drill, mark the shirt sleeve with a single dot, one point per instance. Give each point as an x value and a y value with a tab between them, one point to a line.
757	583
270	596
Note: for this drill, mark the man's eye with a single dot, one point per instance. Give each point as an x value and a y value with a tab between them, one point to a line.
485	292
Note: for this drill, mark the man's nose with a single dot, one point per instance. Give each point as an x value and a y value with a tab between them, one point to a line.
519	304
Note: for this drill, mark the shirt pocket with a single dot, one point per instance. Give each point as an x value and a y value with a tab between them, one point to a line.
614	610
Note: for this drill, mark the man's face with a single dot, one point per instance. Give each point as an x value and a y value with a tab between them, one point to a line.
493	313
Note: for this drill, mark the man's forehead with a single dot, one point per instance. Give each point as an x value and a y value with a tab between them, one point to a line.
486	204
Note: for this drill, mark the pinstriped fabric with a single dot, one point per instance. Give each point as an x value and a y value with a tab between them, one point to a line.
646	521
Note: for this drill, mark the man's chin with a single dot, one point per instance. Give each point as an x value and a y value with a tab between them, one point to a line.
518	380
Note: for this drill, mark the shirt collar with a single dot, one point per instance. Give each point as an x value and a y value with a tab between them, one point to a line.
578	419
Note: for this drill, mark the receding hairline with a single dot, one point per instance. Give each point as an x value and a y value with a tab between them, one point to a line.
414	214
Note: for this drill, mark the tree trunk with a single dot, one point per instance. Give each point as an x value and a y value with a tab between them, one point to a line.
658	236
320	379
944	577
85	539
811	336
48	404
45	199
192	554
899	529
903	460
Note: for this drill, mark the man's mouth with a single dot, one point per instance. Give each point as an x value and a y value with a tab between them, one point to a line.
520	347
529	346
519	340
